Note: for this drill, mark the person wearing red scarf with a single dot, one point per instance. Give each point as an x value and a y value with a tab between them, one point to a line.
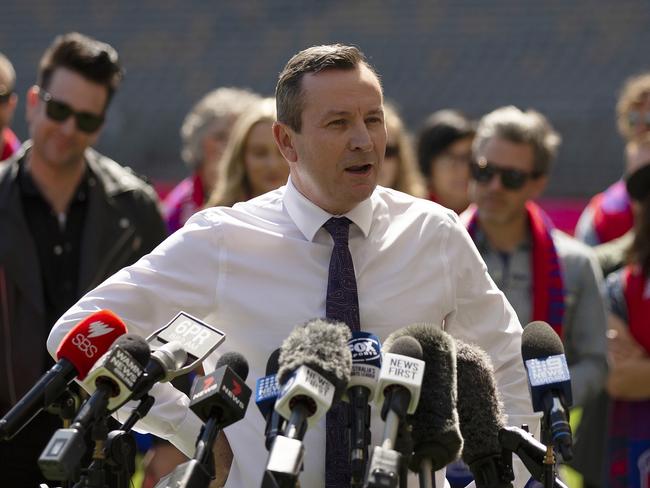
628	290
9	143
545	274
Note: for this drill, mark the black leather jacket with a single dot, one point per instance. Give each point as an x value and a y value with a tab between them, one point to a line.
122	224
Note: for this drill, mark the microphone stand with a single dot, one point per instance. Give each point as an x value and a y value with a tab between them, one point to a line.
66	407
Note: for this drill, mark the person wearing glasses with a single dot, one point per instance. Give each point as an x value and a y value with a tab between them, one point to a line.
9	143
545	274
69	218
444	150
608	215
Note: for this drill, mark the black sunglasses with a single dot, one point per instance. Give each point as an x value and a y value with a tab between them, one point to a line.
60	111
512	179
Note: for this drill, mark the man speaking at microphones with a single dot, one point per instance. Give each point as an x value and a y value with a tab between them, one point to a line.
330	243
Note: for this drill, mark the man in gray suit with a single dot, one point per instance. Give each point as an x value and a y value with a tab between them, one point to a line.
545	274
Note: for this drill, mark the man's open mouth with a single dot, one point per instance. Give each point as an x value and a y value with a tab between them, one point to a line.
359	169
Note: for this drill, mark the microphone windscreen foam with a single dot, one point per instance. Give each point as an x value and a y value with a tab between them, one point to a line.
436	433
479	408
236	362
136	346
404	345
90	339
539	340
322	346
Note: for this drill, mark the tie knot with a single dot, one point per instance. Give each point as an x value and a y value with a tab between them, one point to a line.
339	229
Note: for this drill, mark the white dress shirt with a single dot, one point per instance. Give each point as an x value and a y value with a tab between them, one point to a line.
257	270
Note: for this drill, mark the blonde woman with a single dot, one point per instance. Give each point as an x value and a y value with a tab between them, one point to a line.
400	170
251	164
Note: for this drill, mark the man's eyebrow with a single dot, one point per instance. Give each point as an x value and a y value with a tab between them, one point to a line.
345	113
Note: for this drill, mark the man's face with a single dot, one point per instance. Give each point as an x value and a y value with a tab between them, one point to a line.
61	144
7	107
335	159
496	203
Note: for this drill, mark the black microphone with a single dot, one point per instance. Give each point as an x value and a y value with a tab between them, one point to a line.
219	399
82	346
436	434
315	365
267	390
481	418
366	366
112	379
400	382
549	382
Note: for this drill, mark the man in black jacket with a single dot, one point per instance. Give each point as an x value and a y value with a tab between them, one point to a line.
69	218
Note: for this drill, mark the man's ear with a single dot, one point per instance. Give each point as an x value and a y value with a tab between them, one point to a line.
284	139
31	102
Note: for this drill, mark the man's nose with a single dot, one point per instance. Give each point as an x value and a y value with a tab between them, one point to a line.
360	139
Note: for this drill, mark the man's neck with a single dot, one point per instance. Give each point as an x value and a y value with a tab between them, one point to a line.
505	236
56	183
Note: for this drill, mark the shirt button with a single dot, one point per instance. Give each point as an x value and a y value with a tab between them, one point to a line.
58	250
124	223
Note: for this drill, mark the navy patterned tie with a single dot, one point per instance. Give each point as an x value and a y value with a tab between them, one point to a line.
342	304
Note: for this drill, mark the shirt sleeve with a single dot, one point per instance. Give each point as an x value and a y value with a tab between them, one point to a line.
180	274
483	316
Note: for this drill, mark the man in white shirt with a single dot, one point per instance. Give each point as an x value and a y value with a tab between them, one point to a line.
260	268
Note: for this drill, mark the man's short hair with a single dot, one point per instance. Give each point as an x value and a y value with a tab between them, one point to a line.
288	91
529	127
223	103
7	76
94	60
633	91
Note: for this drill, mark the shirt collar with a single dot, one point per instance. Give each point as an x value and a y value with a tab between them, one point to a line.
309	217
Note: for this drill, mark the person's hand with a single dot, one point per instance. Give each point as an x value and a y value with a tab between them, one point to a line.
159	461
621	346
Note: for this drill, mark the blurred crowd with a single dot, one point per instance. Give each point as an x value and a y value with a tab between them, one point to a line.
72	225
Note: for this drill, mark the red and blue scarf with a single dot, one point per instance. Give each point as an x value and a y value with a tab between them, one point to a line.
548	286
612	212
629	422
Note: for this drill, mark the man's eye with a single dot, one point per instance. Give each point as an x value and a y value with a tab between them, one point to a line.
374	120
337	123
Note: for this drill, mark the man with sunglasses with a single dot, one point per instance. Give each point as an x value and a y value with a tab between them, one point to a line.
9	143
608	216
545	274
69	218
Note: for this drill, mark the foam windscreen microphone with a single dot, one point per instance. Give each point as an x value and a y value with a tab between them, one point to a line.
549	382
81	347
481	418
315	365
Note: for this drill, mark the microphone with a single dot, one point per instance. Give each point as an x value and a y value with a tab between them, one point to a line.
400	381
84	344
219	399
436	433
315	364
481	419
366	365
112	380
549	382
266	394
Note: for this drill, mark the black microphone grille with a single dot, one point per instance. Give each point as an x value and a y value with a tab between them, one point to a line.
136	346
273	364
539	340
236	362
321	345
406	346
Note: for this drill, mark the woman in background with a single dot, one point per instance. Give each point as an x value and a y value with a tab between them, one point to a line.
628	385
444	153
251	164
400	170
